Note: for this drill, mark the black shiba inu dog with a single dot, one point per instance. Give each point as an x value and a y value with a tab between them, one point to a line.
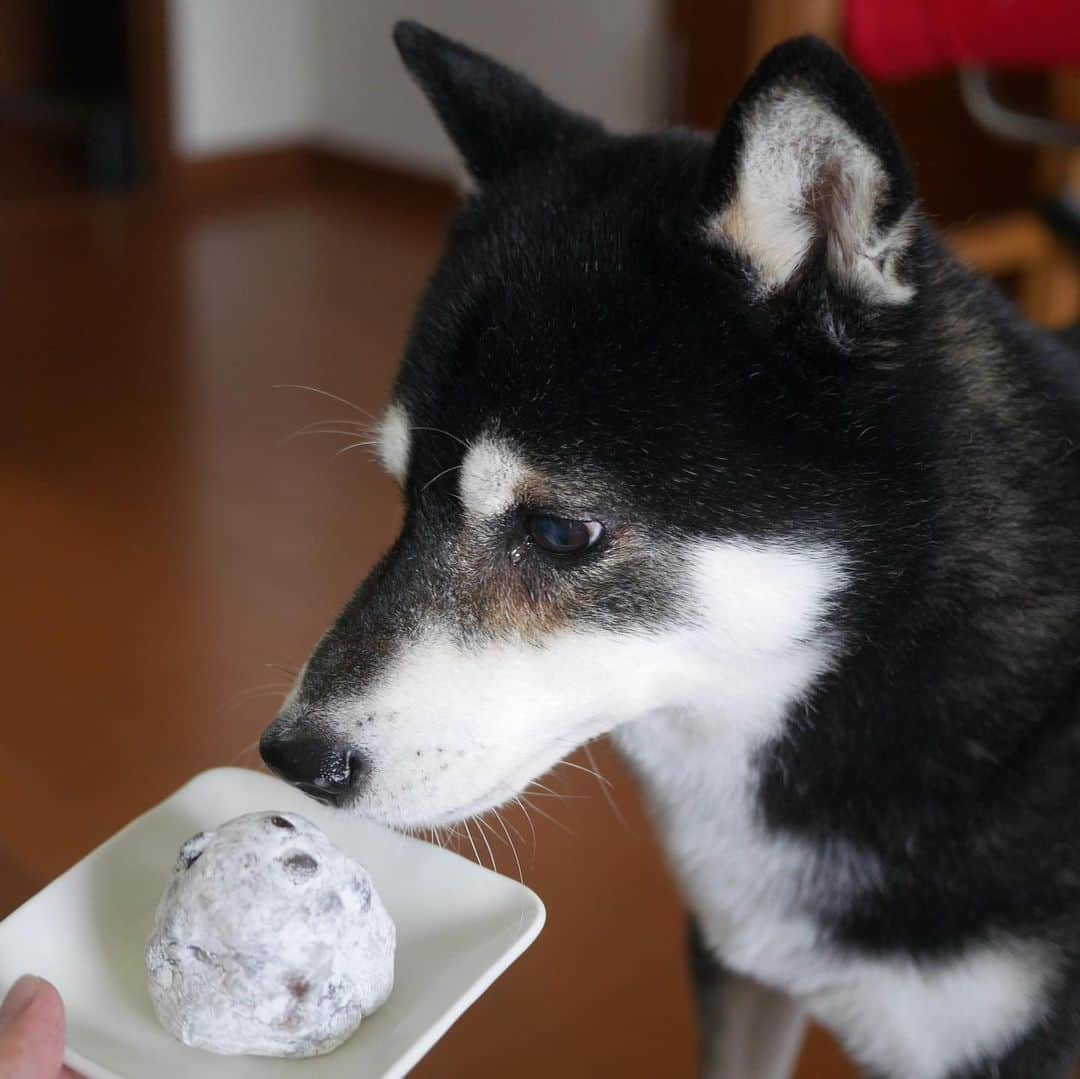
709	444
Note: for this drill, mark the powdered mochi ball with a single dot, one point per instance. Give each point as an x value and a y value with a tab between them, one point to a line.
268	940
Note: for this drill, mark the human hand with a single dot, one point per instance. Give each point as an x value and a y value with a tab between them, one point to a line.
32	1029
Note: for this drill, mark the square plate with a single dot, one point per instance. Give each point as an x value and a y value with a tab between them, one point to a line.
459	927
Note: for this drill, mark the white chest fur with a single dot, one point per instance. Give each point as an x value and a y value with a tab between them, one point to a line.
763	642
756	897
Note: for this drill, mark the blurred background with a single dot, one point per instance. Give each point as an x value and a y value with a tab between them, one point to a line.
203	200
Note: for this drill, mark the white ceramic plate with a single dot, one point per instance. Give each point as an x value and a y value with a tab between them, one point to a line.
459	927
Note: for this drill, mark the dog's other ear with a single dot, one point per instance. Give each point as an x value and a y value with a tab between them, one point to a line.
807	177
497	118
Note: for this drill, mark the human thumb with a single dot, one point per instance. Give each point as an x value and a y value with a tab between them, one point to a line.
31	1031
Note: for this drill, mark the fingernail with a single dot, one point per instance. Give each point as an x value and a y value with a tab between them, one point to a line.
20	997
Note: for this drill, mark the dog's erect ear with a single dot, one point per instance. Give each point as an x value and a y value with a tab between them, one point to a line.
806	176
497	118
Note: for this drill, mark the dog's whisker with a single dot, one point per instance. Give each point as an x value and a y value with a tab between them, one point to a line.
324	431
284	670
325	393
439	476
549	791
513	849
354	446
513	828
603	780
440	431
327	427
483	836
608	788
484	823
338	421
280	694
472	842
252	694
532	827
268	689
548	816
244	752
276	684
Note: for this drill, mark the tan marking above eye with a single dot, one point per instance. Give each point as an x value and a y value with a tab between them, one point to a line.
491	473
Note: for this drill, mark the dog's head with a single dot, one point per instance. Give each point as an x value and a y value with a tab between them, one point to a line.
636	419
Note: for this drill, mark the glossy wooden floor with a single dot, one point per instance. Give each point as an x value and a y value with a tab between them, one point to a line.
168	553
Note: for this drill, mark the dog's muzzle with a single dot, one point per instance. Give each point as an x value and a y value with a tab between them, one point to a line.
324	769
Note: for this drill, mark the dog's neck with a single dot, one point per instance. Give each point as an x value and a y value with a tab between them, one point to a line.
959	674
946	677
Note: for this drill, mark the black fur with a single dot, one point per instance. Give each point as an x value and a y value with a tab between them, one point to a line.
580	311
498	121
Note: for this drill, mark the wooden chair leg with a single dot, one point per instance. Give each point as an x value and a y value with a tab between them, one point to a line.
1050	292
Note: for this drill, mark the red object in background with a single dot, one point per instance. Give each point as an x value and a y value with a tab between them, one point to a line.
894	39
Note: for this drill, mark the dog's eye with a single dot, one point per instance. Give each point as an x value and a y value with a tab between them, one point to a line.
560	535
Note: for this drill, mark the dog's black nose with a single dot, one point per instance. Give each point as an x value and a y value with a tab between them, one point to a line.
327	771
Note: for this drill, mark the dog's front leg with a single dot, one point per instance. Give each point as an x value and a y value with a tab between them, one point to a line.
747	1029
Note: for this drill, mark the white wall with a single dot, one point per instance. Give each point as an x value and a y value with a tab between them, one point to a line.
605	57
250	72
243	73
